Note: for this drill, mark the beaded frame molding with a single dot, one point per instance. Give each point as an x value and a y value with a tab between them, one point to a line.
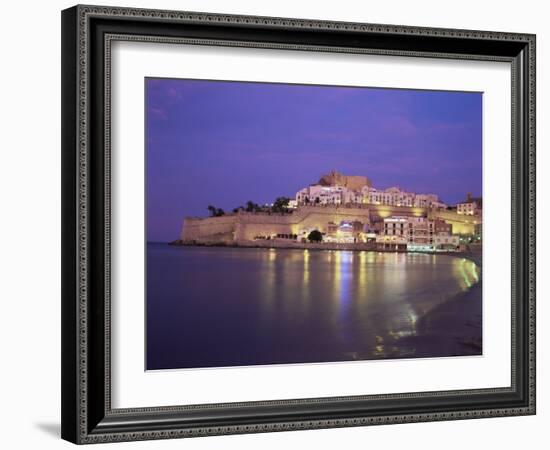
87	35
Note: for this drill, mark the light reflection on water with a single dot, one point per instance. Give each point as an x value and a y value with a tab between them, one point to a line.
227	306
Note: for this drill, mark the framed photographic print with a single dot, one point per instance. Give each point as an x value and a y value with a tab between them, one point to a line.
279	224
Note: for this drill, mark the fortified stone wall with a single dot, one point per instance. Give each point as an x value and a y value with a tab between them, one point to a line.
306	218
461	223
211	229
383	211
248	231
246	226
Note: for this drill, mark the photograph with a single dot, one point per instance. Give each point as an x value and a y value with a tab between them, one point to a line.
298	224
273	222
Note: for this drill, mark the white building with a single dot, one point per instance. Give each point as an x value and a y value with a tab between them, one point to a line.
352	197
392	196
394	235
324	195
421	234
425	200
444	241
396	226
338	195
467	208
415	234
471	207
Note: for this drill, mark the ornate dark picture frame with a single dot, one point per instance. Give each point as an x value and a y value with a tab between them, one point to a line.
87	34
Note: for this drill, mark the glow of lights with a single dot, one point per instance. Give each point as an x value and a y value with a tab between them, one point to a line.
306	267
474	272
464	276
413	318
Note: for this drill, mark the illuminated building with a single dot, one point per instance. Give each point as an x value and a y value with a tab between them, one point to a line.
446	242
416	234
345	210
338	189
421	233
442	227
345	232
471	207
394	234
320	195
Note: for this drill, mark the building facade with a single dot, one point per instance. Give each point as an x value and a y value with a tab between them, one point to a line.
446	242
417	234
471	207
338	189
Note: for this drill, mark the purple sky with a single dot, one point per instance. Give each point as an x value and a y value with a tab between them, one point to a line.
223	143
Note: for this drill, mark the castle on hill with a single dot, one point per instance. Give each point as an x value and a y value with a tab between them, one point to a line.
345	210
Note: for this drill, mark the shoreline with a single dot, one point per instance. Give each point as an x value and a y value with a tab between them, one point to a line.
475	257
455	324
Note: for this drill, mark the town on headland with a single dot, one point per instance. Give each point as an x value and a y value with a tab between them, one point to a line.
343	212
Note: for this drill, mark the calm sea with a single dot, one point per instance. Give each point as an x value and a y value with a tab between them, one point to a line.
214	307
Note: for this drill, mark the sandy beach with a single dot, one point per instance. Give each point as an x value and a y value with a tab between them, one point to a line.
452	328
